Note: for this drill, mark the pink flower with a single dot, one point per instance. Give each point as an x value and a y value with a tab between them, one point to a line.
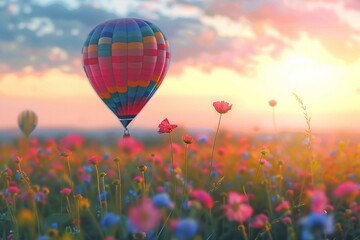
237	208
187	139
286	220
166	127
260	221
8	171
94	160
222	107
138	179
13	190
65	191
72	141
242	169
318	201
272	103
347	190
283	206
203	197
144	216
130	145
17	159
155	158
289	192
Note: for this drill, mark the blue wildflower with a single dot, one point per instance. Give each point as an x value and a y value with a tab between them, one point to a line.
127	199
133	193
245	155
88	169
109	220
103	196
186	228
186	204
44	237
162	200
203	139
106	156
54	225
314	221
214	174
130	226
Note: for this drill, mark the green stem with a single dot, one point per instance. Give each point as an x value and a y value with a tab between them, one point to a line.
162	228
37	217
144	184
186	174
267	188
120	186
269	233
69	169
98	185
105	200
213	147
98	228
173	168
116	198
243	231
68	206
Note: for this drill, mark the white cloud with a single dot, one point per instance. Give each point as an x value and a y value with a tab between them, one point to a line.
42	26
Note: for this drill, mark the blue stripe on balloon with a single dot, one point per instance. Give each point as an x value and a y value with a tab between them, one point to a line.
104	50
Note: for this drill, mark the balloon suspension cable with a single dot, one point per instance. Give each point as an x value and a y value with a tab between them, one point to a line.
126	133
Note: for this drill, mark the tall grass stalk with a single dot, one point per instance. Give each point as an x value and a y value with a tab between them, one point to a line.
118	189
308	134
69	170
266	183
98	185
102	175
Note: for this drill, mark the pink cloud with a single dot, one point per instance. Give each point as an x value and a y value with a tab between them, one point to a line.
206	37
236	54
291	21
352	4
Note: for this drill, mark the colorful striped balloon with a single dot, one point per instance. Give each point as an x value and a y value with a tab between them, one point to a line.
27	121
126	61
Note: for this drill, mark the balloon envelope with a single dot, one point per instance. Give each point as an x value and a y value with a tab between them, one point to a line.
27	121
126	61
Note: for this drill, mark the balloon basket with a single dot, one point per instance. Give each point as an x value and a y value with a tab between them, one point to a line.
126	133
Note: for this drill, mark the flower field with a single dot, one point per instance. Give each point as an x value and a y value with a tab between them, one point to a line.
182	186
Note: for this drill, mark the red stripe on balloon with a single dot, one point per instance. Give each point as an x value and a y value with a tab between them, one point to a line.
150	52
161	46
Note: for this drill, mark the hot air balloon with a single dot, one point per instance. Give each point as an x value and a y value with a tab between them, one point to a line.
126	60
27	121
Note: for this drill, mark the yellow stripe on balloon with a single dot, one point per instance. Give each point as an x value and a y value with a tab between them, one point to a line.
135	45
149	39
119	46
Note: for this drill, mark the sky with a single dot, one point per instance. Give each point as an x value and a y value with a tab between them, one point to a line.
240	51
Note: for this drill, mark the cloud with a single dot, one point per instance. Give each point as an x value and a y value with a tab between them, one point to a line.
291	20
30	37
44	34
